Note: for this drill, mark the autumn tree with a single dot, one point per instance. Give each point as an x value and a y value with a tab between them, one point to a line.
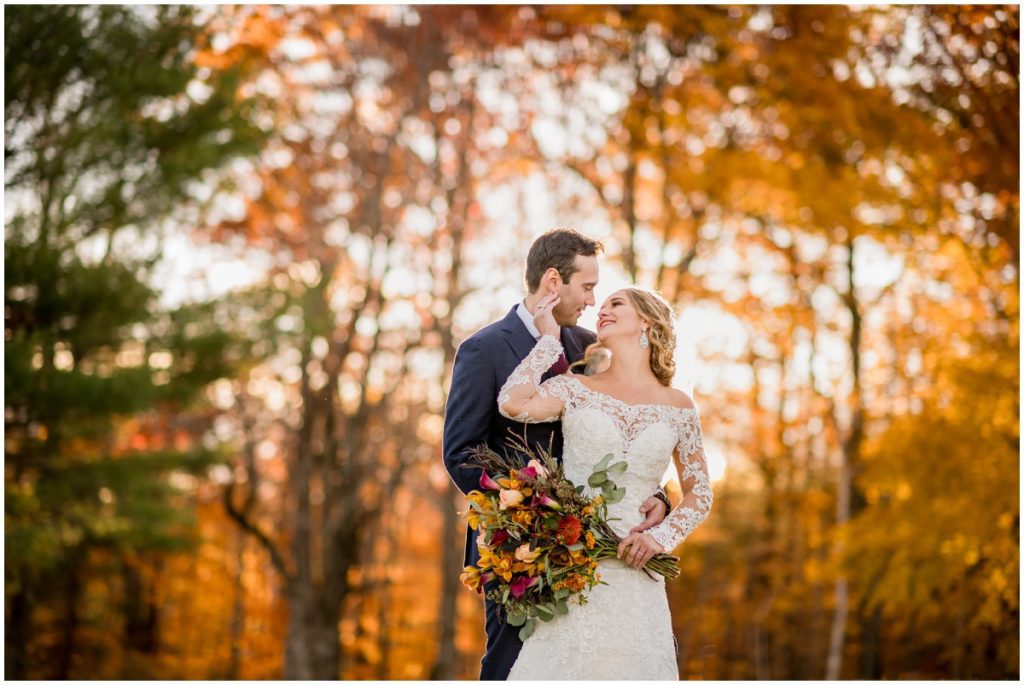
108	123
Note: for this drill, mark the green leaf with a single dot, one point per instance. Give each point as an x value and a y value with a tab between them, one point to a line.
603	464
615	495
618	467
545	612
561	608
562	594
597	479
527	630
577	547
517	619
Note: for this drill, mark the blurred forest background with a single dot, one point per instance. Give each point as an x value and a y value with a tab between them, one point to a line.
243	243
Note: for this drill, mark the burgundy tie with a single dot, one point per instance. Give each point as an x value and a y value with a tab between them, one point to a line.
560	366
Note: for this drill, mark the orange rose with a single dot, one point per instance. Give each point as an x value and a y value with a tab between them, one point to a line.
510	499
524	553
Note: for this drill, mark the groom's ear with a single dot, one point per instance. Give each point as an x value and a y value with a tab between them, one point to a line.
551	280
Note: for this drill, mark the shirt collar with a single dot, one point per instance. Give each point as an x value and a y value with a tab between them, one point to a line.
527	318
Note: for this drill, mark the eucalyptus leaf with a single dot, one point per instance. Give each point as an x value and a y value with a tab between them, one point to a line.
603	464
516	619
561	608
527	630
597	479
618	467
577	547
615	495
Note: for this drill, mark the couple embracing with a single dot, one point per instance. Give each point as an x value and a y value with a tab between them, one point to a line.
537	373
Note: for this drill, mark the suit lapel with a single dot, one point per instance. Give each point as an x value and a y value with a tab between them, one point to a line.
518	338
522	341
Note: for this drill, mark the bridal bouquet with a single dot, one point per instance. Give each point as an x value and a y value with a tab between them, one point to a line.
540	536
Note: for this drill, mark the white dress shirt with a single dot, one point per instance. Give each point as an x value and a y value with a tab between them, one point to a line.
527	318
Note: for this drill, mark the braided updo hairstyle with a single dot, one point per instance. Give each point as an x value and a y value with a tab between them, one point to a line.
653	308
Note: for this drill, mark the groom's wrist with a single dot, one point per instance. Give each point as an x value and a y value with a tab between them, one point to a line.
660	494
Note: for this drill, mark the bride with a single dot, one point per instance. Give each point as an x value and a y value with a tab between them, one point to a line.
624	631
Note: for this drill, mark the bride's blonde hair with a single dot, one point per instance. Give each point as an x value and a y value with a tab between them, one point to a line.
656	311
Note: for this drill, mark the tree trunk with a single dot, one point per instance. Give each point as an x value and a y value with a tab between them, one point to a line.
325	645
69	625
446	664
313	646
140	613
847	473
629	213
17	633
300	591
870	660
297	662
238	609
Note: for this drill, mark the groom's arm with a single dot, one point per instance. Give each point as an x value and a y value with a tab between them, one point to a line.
472	401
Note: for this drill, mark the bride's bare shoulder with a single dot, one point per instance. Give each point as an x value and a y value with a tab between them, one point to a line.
678	399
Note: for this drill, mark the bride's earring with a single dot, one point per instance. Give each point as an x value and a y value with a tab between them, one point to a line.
644	342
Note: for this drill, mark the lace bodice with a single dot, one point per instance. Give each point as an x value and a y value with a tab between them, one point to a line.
594	424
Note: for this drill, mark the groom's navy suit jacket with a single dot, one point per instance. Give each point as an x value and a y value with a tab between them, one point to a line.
482	365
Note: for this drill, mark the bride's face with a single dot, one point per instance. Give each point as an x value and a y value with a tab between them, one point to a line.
618	318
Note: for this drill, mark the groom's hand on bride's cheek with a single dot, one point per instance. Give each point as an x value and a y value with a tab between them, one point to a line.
654	511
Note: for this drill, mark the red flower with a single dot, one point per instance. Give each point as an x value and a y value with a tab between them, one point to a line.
570	529
499	537
521	584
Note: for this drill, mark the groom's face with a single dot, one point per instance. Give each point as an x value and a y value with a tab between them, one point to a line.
578	293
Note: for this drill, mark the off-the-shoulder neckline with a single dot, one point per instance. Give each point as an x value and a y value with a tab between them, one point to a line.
627	404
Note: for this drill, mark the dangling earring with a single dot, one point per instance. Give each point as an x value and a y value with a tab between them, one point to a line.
644	342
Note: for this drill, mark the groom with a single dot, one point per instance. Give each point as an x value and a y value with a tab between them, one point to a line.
563	261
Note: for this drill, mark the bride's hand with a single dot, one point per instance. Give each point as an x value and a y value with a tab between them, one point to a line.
544	318
636	549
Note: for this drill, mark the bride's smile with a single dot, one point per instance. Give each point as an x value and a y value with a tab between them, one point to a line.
617	317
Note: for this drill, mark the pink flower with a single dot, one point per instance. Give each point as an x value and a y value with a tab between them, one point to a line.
546	501
521	584
487	483
534	470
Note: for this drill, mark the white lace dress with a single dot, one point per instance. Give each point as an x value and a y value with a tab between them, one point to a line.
624	631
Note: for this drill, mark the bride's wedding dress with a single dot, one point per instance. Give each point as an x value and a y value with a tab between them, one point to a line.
624	631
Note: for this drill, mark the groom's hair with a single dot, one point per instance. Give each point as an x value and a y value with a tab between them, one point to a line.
557	249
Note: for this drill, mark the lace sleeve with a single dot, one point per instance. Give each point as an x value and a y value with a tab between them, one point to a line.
693	474
523	398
